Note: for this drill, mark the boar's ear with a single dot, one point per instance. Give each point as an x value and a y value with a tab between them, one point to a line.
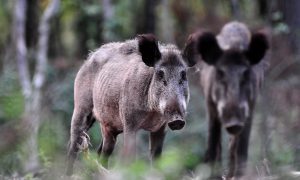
149	49
257	48
190	51
209	48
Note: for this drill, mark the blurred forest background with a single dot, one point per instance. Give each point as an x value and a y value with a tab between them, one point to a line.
44	42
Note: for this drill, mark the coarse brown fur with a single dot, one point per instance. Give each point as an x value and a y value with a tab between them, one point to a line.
231	72
127	86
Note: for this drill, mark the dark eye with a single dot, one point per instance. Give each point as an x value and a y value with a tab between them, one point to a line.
183	75
245	77
160	75
220	75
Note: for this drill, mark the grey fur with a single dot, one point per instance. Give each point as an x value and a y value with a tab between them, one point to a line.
230	82
115	87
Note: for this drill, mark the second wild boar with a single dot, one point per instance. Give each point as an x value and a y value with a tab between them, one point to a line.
231	71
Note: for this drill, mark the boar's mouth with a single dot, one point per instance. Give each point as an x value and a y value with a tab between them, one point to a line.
176	124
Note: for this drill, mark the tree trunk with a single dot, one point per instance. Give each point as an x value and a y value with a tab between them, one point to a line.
108	14
291	13
166	26
235	9
21	48
263	8
147	23
32	90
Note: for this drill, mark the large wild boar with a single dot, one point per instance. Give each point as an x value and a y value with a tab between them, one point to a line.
127	86
231	71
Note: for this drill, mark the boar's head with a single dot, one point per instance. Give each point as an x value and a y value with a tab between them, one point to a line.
232	85
168	90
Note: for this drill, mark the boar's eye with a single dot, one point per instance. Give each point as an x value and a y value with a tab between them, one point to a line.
245	77
182	77
160	75
220	75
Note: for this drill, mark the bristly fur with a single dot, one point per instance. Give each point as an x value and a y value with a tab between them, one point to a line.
120	87
232	68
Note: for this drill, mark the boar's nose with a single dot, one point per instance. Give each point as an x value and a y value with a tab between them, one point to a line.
176	124
234	127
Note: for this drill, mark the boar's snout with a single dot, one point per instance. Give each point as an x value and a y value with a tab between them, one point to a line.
234	126
175	111
176	124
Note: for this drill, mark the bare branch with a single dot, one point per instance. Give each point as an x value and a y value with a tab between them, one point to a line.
39	76
21	49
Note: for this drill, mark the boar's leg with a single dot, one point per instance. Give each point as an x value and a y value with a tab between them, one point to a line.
213	152
242	149
232	156
109	138
156	140
129	150
81	123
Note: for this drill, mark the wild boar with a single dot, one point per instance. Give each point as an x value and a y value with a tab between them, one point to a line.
127	86
231	72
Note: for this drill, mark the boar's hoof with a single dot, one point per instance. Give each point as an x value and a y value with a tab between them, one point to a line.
176	124
235	129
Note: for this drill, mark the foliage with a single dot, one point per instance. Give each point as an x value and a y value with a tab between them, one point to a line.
11	98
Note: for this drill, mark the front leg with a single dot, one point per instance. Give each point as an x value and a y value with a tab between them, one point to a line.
242	149
213	152
132	122
214	148
232	156
129	151
156	140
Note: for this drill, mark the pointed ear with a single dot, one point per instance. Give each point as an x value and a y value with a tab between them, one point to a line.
148	48
205	44
190	50
209	48
257	48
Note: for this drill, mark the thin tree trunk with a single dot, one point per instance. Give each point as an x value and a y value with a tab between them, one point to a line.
32	90
263	8
108	14
167	25
147	20
291	13
21	49
235	9
150	19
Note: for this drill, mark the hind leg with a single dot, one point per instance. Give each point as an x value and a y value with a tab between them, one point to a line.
109	138
81	123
